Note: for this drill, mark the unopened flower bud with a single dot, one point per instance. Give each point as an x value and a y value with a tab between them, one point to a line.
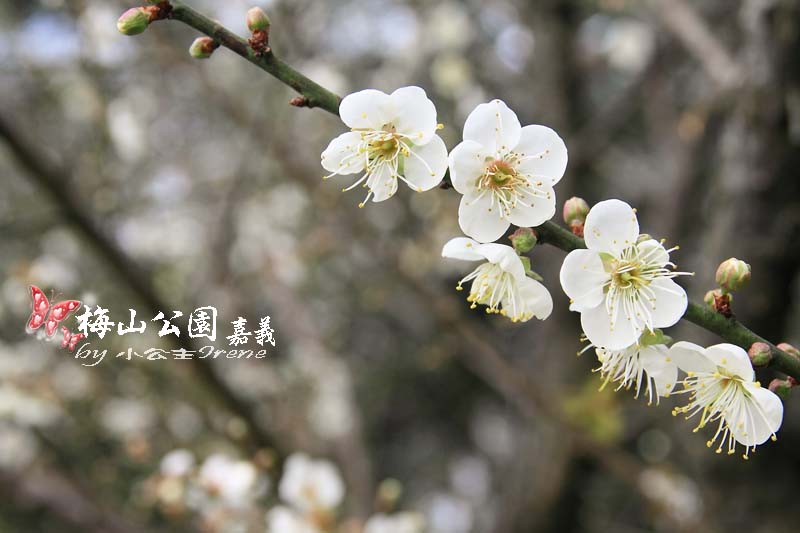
781	387
134	21
788	348
760	353
523	240
257	19
202	48
733	274
575	211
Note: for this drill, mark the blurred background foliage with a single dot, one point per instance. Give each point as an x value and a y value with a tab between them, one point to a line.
203	188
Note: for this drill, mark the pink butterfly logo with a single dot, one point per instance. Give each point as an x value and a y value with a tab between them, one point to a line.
71	339
43	313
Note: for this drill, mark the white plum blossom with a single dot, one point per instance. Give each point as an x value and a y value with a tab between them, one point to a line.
622	285
233	481
721	386
406	522
500	282
177	463
281	519
393	138
647	362
311	486
505	172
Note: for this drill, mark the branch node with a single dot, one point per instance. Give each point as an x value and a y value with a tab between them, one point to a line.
159	11
259	42
300	101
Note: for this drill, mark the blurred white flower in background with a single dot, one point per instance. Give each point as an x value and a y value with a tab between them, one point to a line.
124	417
448	514
177	463
676	495
311	485
624	42
393	138
622	285
500	283
281	519
722	388
505	172
234	482
18	447
25	409
406	522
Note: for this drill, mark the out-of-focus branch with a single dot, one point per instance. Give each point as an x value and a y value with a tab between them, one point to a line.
50	493
691	30
56	183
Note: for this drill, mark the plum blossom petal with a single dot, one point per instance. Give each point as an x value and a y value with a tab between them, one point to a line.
668	303
467	164
732	358
343	155
414	114
761	416
494	126
539	207
690	357
462	248
367	109
582	278
541	154
659	367
382	183
426	164
597	326
534	298
611	226
480	218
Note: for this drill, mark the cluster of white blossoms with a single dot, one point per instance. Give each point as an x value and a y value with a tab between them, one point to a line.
622	284
504	171
623	287
229	494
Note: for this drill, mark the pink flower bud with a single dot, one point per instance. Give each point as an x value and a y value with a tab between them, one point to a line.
575	211
257	19
781	387
134	21
733	274
788	348
760	354
202	47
